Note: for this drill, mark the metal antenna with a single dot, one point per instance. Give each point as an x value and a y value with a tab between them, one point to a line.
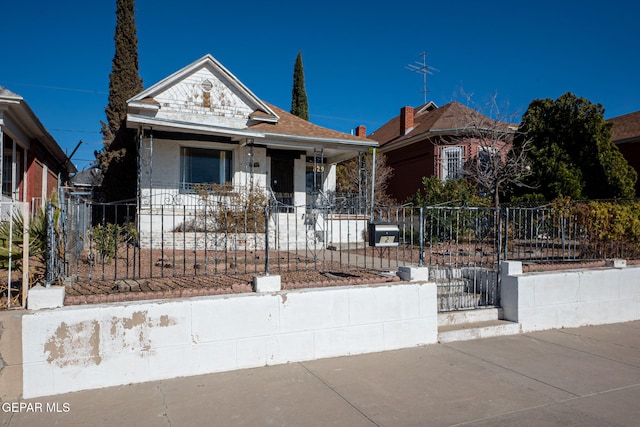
424	69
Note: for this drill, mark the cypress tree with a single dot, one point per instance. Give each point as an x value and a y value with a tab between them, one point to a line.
299	105
118	156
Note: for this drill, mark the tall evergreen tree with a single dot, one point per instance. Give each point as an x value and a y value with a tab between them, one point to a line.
118	156
299	105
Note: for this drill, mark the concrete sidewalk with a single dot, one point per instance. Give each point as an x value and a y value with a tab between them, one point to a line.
586	376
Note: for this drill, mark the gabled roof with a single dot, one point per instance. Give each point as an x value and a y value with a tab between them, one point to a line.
425	108
452	118
147	95
6	93
91	177
625	128
256	119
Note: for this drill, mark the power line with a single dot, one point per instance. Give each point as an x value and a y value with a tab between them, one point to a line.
424	69
68	89
346	119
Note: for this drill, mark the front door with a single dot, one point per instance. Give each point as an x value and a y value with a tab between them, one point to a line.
282	179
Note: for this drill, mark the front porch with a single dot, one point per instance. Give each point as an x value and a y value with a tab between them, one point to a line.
215	218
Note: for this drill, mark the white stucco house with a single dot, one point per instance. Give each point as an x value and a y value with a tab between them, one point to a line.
201	125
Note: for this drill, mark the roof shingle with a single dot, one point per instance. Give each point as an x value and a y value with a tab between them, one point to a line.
295	126
450	117
625	127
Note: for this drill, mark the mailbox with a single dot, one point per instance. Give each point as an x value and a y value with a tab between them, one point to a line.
383	234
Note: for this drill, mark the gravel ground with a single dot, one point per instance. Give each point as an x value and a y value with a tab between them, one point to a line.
164	288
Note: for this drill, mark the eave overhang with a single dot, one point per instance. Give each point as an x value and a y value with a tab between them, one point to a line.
15	105
394	145
136	120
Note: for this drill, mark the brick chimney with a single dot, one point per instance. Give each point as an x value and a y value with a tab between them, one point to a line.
361	131
406	120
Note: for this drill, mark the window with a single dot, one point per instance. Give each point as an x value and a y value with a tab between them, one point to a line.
314	178
203	165
451	163
486	158
7	171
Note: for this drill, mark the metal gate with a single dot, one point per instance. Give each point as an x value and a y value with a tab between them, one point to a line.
462	249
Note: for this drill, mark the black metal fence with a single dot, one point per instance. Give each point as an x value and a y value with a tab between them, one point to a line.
231	235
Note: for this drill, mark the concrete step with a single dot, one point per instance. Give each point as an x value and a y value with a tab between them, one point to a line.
451	288
296	233
477	330
460	317
457	301
443	274
463	325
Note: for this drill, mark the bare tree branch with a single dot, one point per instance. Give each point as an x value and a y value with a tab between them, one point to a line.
494	163
355	177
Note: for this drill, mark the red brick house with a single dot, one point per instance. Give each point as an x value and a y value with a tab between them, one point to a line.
430	141
31	161
626	135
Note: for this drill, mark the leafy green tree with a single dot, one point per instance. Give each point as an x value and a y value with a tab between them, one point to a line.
572	154
118	156
299	104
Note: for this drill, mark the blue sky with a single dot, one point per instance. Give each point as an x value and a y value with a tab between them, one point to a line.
57	55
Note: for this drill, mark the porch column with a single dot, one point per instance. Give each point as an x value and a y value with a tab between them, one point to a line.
145	160
25	177
1	159
45	184
13	170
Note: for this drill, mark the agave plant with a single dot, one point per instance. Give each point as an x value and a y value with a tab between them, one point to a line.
14	228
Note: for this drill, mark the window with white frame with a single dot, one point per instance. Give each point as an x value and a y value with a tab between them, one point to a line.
10	181
204	165
452	162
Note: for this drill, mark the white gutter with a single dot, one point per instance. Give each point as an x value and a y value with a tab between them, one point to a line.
30	124
323	141
270	139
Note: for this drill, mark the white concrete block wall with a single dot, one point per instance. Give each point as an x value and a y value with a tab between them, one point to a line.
329	183
341	230
573	298
205	241
85	347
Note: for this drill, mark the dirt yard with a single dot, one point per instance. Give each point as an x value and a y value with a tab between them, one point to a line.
195	275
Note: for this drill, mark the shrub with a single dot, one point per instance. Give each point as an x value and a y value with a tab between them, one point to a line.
453	192
107	237
37	242
226	211
609	228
